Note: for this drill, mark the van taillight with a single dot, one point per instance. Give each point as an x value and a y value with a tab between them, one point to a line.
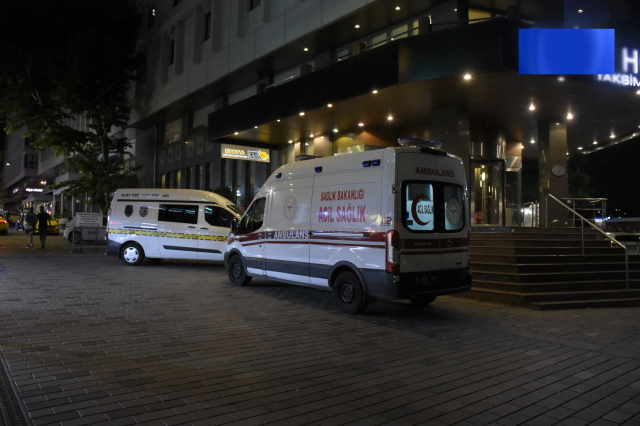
392	252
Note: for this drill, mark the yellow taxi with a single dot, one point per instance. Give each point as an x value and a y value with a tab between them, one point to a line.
52	229
4	226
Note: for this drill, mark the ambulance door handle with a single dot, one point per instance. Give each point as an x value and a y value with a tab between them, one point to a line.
204	228
193	227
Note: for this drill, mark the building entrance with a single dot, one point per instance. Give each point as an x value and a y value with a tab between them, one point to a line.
487	193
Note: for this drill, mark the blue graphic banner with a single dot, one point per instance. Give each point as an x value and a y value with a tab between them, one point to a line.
567	51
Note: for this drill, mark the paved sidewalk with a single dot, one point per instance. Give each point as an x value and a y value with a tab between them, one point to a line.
89	340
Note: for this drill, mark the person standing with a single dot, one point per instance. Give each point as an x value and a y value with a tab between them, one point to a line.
43	223
30	225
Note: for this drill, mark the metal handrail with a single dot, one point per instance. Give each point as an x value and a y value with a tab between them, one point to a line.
603	207
593	225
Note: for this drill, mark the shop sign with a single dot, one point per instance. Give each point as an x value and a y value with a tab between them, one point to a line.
34	189
236	152
630	61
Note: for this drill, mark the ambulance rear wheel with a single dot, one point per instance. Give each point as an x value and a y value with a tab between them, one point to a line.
237	273
422	301
348	294
132	254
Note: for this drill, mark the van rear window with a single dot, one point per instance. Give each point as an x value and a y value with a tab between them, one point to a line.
433	206
178	213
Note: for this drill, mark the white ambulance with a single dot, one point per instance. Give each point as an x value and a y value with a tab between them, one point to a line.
168	224
390	223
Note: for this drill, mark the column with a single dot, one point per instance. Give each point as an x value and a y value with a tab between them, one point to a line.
451	127
552	168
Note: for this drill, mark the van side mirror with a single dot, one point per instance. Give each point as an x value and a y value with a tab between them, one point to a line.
234	225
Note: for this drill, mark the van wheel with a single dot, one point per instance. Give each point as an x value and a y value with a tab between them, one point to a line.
237	273
422	301
132	254
348	294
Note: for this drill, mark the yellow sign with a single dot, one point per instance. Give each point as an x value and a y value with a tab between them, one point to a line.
237	152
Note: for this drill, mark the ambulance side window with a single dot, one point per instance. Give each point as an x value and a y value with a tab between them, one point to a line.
217	216
253	219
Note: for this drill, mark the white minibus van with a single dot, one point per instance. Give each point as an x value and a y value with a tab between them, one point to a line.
168	224
390	223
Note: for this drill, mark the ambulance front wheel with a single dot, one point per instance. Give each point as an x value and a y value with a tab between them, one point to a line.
132	254
348	294
237	273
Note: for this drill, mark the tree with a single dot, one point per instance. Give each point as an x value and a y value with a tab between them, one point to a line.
66	59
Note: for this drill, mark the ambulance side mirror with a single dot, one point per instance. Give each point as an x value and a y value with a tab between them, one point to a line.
234	226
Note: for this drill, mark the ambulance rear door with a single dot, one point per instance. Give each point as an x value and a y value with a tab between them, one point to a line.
418	193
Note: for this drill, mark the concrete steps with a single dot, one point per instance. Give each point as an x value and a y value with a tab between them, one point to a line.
544	269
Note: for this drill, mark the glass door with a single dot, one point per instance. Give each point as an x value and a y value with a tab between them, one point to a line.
487	193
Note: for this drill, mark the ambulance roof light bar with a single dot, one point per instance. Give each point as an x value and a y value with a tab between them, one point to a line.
419	143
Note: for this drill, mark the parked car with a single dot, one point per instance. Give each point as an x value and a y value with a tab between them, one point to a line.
4	226
73	235
629	239
12	217
52	229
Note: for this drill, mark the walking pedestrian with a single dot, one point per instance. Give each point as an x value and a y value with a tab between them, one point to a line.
30	225
43	223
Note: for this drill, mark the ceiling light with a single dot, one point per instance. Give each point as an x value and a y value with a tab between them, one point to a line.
467	76
7	163
569	116
595	142
397	7
335	130
390	118
330	105
521	146
306	49
306	144
255	127
533	140
361	124
302	113
290	141
612	136
561	78
580	10
455	10
638	92
235	133
532	107
579	148
375	91
357	26
278	121
311	136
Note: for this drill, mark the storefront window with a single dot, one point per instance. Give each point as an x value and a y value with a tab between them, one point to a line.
173	131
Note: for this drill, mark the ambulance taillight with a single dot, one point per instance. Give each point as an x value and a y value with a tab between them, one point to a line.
392	252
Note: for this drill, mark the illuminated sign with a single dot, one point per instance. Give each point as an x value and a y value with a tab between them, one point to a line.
245	153
34	189
630	61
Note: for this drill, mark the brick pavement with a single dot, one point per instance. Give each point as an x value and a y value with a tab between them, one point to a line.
89	340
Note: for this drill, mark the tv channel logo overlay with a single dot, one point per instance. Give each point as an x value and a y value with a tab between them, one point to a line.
567	51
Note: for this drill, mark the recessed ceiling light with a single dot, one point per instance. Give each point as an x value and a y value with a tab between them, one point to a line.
467	76
235	133
302	113
335	130
579	148
375	91
612	136
638	92
361	124
521	146
532	107
390	118
561	78
397	7
306	143
311	135
357	26
278	121
595	142
256	127
306	49
580	10
455	10
330	105
533	140
569	116
290	141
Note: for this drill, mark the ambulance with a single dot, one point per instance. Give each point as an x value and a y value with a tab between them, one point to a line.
168	224
390	223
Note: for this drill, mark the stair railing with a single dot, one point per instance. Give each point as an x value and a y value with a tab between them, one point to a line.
593	225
